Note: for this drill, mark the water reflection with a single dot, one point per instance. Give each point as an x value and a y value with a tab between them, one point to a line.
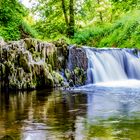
59	115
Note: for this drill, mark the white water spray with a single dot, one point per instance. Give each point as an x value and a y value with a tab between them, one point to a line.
105	65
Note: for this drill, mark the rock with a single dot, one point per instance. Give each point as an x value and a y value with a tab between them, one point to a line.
7	137
77	66
68	74
29	64
58	79
62	54
78	58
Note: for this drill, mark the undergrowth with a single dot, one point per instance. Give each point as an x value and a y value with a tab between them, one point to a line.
123	33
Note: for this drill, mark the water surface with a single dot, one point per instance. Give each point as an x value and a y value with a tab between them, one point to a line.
92	114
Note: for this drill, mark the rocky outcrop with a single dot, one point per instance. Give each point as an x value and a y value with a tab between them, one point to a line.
77	66
62	53
30	64
77	58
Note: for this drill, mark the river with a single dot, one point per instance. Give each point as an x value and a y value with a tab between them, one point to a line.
93	113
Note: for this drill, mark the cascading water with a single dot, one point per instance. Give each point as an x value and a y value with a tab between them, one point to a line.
106	65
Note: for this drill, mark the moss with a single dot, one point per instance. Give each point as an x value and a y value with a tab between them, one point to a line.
12	83
50	68
30	43
36	56
11	55
58	79
67	74
20	74
50	60
24	62
49	80
2	66
77	71
80	76
32	50
43	53
75	77
7	137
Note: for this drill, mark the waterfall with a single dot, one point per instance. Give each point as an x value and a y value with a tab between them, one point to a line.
106	65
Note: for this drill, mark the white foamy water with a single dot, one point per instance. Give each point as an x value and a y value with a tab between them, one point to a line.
113	67
121	83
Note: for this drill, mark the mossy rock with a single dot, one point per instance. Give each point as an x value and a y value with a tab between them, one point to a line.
24	62
75	77
50	68
67	74
31	43
7	137
20	67
52	60
36	56
58	79
2	71
49	80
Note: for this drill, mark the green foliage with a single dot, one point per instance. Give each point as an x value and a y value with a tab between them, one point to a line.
11	14
12	25
96	21
85	36
122	6
28	29
123	33
51	22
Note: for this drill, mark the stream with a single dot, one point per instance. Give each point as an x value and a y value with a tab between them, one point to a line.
87	113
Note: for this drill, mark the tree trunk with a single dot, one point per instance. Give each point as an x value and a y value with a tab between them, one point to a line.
100	13
71	19
65	13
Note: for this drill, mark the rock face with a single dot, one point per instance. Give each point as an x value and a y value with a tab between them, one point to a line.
77	58
30	64
77	66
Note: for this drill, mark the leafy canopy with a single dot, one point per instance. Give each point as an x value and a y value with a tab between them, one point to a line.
12	25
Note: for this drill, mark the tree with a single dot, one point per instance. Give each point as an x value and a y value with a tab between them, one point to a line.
69	21
120	7
56	17
12	25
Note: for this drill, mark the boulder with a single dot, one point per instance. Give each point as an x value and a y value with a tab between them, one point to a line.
77	58
77	66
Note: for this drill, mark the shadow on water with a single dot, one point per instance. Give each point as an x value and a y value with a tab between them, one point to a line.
64	115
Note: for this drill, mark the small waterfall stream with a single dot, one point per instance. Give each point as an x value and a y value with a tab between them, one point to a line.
106	65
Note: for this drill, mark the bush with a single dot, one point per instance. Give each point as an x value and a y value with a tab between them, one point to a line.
123	33
12	25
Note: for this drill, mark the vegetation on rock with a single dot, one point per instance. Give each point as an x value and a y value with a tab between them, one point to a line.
20	70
